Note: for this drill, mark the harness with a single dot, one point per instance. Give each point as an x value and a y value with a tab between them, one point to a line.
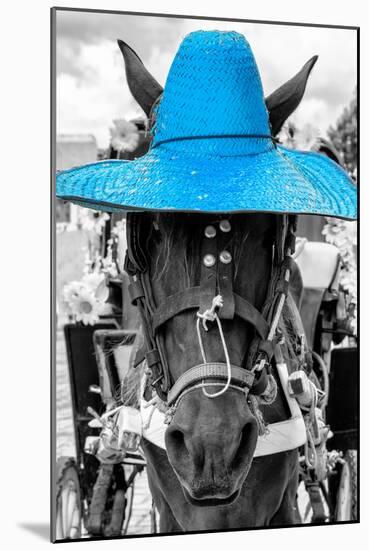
216	282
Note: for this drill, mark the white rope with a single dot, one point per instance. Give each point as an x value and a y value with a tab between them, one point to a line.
325	391
211	315
310	423
204	385
310	452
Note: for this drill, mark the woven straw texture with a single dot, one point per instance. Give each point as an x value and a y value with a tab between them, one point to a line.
214	89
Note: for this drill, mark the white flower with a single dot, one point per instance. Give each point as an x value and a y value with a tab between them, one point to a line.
72	291
86	298
119	228
86	308
100	222
92	280
92	220
85	219
124	136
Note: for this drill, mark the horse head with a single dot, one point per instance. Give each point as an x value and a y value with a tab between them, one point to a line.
212	435
188	259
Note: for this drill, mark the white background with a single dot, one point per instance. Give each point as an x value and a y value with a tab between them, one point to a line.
25	269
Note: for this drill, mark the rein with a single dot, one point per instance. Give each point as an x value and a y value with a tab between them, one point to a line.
214	301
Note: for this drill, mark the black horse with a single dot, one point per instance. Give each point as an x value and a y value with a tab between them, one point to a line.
208	477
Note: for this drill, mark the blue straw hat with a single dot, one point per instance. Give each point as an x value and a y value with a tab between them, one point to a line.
212	148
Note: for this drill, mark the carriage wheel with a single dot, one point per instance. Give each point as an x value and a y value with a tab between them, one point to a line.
346	502
68	500
153	518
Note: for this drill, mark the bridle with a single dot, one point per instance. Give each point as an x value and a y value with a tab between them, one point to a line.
215	280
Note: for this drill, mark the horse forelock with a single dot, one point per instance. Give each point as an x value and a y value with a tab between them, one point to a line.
174	247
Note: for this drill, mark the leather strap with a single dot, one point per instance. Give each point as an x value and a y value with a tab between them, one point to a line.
225	278
250	314
152	358
136	254
260	384
241	377
190	299
136	291
208	283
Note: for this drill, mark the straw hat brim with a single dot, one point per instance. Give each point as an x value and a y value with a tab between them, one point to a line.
277	181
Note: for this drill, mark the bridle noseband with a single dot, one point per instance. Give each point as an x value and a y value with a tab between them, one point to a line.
216	280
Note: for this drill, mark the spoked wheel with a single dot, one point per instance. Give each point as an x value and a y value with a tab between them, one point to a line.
68	500
346	501
153	518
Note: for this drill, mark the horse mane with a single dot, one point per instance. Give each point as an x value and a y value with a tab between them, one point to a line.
169	231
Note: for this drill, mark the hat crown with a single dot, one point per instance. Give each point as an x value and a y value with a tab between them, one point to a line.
213	88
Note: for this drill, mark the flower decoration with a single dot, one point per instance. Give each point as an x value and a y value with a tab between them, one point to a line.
86	307
124	136
71	292
86	299
92	220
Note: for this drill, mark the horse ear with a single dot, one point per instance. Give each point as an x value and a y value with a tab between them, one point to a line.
143	86
283	101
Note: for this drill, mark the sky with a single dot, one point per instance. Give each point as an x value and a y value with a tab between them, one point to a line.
92	90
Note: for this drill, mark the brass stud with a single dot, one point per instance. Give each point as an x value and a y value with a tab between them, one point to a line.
210	231
225	257
225	226
209	260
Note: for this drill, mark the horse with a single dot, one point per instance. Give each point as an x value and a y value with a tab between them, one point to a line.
208	478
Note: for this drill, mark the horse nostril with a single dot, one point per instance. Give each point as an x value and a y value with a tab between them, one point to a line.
176	441
177	437
247	443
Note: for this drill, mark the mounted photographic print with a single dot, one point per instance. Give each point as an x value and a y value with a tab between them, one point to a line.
205	335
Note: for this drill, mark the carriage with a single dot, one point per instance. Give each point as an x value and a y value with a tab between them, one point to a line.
323	349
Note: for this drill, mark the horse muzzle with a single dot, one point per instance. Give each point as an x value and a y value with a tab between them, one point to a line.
210	445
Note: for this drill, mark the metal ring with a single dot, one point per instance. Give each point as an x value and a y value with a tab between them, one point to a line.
225	257
209	260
